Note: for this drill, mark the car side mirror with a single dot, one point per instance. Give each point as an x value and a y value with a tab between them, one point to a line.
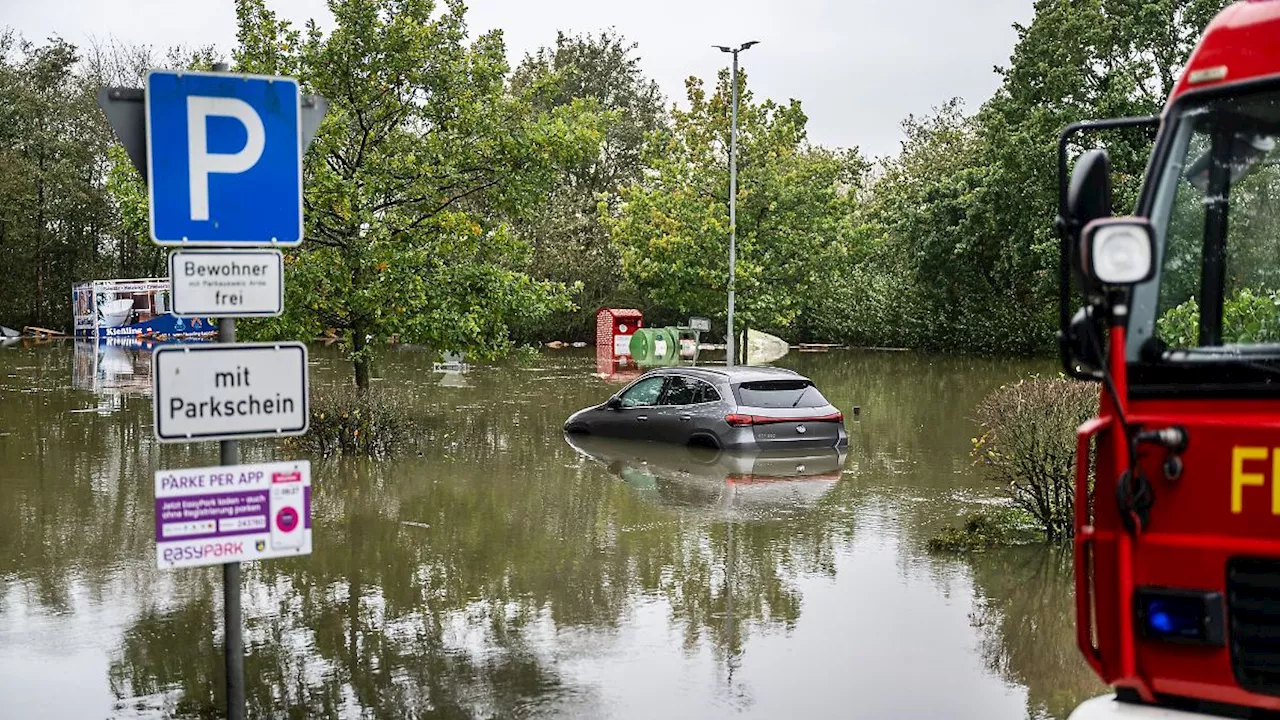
614	403
1117	252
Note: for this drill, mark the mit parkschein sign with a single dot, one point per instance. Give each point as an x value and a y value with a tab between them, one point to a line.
230	391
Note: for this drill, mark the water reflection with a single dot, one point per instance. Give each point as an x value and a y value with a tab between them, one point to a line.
505	573
729	484
1027	623
113	366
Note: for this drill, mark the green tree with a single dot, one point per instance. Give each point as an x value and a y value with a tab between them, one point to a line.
569	241
794	201
956	235
53	211
411	184
115	64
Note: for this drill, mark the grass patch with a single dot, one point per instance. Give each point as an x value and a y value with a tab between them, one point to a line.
347	422
986	529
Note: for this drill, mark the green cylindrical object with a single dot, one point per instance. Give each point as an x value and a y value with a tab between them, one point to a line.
641	345
670	345
655	346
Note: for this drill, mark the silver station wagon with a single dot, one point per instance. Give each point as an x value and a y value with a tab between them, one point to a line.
732	408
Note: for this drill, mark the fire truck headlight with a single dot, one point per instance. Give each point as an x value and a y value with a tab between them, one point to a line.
1119	251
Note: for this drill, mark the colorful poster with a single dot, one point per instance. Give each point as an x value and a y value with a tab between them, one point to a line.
233	513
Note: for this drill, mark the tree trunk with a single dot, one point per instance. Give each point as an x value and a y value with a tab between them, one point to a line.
742	347
361	361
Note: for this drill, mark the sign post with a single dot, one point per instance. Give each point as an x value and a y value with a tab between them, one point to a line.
222	157
232	615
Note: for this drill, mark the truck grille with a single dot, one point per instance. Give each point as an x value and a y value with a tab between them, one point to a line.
1253	606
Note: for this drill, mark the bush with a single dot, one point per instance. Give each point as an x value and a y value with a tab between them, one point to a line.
349	422
1028	444
1248	316
982	530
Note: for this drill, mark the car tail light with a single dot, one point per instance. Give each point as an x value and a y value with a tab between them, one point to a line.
741	420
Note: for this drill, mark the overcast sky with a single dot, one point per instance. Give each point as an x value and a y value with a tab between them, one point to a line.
858	66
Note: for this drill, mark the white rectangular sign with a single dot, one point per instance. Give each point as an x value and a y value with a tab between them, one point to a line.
232	513
700	323
226	283
225	392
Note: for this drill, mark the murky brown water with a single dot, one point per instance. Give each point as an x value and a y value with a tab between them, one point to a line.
504	573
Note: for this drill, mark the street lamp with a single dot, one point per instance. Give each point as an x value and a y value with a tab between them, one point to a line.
733	190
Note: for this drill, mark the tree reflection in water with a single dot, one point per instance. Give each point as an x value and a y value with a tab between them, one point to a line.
1027	621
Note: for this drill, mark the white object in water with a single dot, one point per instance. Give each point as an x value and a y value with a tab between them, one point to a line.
764	348
1108	708
116	312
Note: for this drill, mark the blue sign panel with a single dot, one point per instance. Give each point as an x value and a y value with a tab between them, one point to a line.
224	154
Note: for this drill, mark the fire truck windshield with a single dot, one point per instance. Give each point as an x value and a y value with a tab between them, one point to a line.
1215	298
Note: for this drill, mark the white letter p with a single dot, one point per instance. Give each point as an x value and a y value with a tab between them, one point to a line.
201	162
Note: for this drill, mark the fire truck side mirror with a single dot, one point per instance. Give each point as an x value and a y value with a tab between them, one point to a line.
1088	199
1117	252
1089	194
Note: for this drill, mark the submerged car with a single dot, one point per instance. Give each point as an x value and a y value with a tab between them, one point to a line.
720	407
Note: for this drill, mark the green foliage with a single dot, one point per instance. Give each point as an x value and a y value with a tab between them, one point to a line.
54	211
984	530
568	241
346	421
128	191
794	204
1248	316
451	199
1028	445
413	178
1179	326
72	208
958	228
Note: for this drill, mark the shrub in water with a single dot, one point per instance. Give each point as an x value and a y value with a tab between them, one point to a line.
350	422
1028	444
982	530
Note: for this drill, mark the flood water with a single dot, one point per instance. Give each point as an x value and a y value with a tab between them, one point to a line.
502	572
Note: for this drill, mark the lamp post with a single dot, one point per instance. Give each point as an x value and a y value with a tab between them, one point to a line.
730	356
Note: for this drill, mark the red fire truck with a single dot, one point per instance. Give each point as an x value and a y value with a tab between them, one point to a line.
1177	504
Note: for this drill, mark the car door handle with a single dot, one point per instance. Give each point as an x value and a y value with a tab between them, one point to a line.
642	418
686	418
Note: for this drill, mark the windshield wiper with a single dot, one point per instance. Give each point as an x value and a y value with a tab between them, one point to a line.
1233	355
1230	351
800	397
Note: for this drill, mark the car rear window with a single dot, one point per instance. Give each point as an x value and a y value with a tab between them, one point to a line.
780	394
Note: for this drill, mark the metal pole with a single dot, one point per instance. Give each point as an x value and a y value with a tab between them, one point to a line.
232	619
731	357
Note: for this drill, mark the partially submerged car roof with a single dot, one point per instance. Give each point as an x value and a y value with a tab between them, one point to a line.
736	374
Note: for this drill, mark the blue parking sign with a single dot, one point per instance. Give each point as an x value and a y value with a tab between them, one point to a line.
224	156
